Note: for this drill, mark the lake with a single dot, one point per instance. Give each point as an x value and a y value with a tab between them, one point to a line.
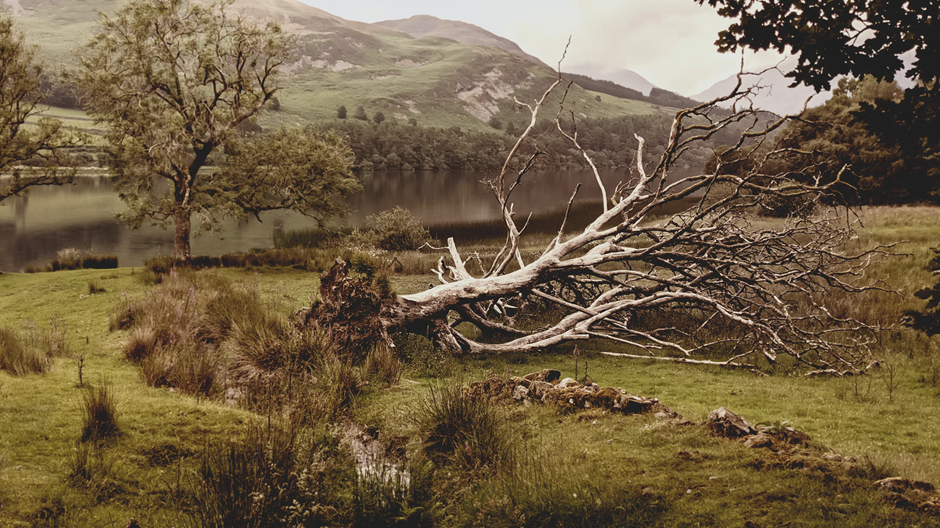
36	226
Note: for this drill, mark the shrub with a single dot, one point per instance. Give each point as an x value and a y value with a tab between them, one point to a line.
90	261
466	431
397	230
99	414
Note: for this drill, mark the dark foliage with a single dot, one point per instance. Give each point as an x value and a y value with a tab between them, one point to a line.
610	142
60	93
833	39
927	320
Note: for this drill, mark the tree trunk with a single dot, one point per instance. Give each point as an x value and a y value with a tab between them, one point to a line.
183	229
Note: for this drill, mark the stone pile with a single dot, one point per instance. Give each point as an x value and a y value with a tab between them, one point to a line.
547	387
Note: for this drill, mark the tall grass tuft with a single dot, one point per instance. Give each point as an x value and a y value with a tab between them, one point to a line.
541	492
281	474
382	365
468	432
99	414
19	355
30	351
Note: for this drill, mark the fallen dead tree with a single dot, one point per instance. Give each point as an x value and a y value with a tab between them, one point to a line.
744	290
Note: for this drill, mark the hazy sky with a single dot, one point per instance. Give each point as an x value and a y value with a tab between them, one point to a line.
669	42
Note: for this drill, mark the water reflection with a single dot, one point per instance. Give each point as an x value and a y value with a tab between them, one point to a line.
34	227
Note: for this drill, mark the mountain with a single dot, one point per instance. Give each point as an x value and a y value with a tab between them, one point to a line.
436	81
775	94
420	26
621	76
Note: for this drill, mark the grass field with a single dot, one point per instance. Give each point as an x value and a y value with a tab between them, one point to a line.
584	468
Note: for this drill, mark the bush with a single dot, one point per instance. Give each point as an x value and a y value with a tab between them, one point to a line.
99	414
468	432
397	230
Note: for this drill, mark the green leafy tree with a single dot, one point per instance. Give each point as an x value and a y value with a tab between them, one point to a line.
171	81
361	114
291	169
33	154
860	38
341	112
857	38
378	118
877	170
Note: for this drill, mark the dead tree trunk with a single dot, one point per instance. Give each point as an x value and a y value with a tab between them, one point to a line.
740	291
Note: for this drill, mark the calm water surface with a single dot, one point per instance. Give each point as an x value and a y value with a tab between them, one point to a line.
34	227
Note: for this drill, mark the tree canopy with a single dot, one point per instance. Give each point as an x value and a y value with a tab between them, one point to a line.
857	38
30	154
173	81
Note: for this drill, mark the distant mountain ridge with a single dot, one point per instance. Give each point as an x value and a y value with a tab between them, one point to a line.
433	80
622	76
774	93
420	26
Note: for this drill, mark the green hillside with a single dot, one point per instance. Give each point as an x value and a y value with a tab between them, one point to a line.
436	81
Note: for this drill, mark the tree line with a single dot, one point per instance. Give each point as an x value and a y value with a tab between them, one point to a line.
611	143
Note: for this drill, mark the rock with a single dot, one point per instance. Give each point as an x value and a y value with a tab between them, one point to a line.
591	387
548	375
516	380
520	393
832	457
567	383
538	388
725	423
759	440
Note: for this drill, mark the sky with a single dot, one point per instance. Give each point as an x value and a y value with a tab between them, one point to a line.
669	42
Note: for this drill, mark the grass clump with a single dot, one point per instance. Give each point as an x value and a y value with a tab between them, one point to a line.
19	356
30	350
99	414
467	432
280	474
197	333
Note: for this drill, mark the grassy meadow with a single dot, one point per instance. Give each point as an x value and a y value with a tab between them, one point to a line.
187	453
